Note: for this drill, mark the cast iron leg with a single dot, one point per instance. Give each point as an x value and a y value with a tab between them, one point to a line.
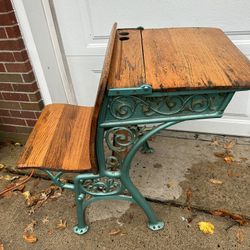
153	222
81	226
146	149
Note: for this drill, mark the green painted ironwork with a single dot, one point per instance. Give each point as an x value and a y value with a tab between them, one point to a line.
125	110
118	132
144	89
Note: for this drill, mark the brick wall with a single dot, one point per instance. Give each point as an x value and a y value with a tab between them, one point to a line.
20	99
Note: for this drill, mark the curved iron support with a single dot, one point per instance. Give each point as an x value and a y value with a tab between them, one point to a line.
153	222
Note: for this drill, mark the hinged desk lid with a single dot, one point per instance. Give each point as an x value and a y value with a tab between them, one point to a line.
176	59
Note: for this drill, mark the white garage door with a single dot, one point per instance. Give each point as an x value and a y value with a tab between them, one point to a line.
84	26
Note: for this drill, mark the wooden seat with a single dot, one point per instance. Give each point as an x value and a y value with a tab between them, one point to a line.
60	139
64	137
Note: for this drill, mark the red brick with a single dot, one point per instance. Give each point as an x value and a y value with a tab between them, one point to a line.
38	114
15	96
29	77
25	87
21	56
6	87
35	97
25	130
6	57
5	6
8	19
32	105
1	96
13	32
10	120
10	78
7	128
12	44
31	123
4	112
2	33
23	114
9	105
2	69
18	67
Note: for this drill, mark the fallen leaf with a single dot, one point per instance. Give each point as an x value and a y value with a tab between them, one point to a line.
26	195
30	238
229	159
206	227
29	229
217	213
218	154
229	145
8	177
189	195
114	232
240	236
2	166
215	181
214	142
61	225
45	220
236	217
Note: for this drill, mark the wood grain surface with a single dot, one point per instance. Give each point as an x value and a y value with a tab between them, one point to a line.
181	58
100	95
60	139
127	67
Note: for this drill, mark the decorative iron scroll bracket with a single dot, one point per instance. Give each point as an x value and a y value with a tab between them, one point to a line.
144	89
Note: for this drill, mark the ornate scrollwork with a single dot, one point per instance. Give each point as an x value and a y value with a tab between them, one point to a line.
101	186
119	139
123	107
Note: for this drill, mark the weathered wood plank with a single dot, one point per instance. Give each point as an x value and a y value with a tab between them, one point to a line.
193	58
127	69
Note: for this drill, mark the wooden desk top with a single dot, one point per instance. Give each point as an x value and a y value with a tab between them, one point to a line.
177	58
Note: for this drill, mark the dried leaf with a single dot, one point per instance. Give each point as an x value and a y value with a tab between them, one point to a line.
214	142
8	177
56	195
229	159
236	217
229	145
189	195
2	166
45	220
220	155
29	229
216	213
62	224
114	232
215	181
30	238
240	236
206	227
26	195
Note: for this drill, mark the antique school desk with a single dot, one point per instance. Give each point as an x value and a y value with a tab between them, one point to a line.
150	76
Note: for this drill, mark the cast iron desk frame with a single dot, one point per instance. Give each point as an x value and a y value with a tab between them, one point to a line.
119	133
